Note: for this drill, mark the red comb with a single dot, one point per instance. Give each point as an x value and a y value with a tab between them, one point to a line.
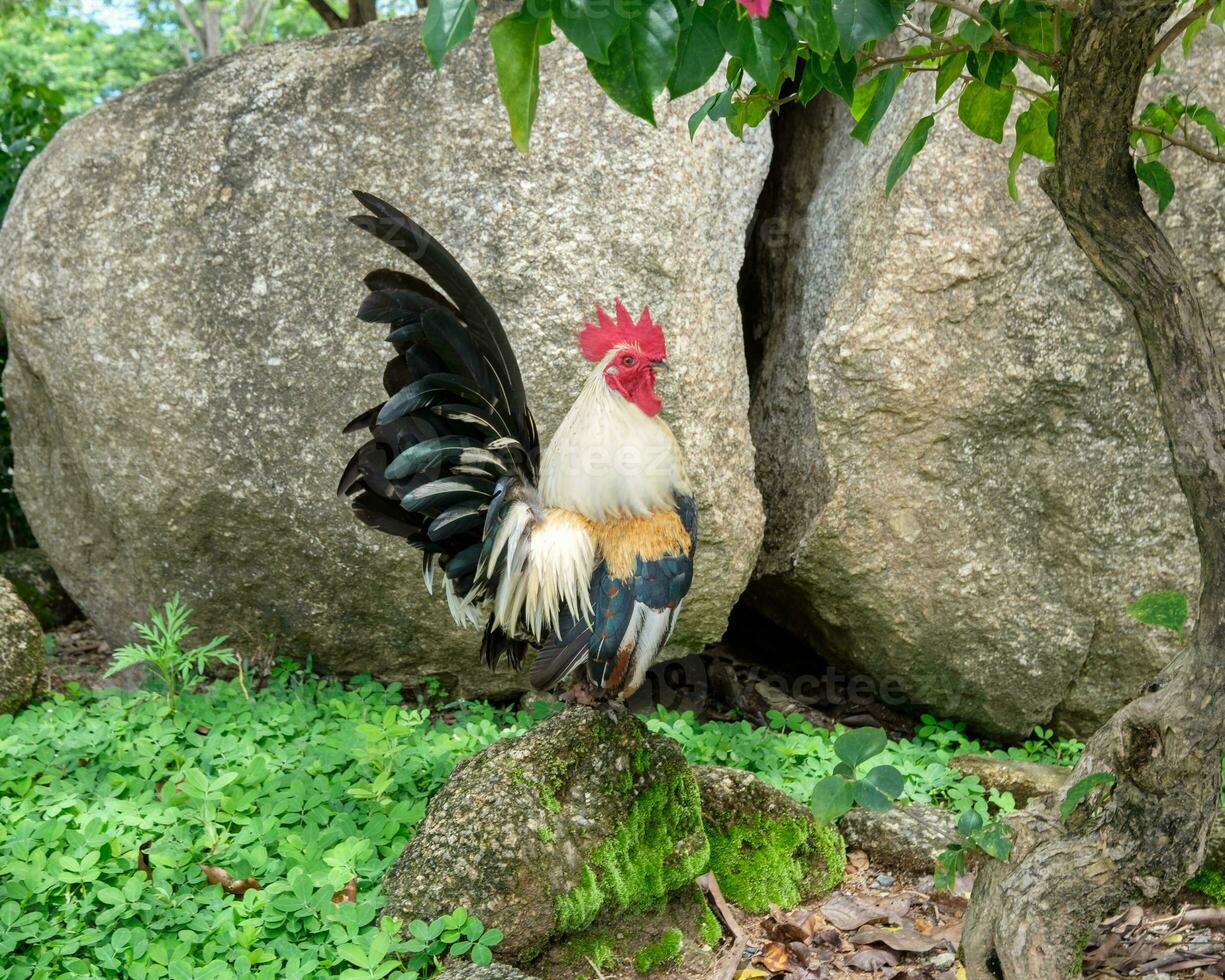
646	335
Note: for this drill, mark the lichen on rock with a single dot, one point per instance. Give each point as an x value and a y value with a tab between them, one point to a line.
541	834
765	848
21	651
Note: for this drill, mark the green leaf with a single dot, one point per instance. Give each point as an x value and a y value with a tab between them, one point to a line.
969	823
1034	138
994	842
481	955
911	145
746	113
939	20
837	75
516	44
1081	789
949	865
832	797
871	798
950	70
592	25
1165	609
885	85
702	112
699	51
762	43
447	23
816	25
641	59
1156	176
860	21
984	110
974	33
886	779
860	744
1205	117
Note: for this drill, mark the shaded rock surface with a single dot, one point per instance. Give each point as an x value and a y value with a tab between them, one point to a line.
495	971
541	834
765	848
965	475
1023	779
179	286
35	581
21	651
905	838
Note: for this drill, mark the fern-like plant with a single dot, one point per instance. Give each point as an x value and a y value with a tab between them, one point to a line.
163	653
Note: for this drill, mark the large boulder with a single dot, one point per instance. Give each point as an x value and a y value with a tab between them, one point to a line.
540	835
21	651
179	286
965	475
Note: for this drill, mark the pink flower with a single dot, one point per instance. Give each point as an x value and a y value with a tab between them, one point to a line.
756	8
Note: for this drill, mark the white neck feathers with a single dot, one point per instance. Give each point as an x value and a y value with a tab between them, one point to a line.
609	459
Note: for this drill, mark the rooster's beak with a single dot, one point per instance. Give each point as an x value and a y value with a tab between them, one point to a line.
660	365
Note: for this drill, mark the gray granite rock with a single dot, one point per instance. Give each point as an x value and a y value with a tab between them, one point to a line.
36	583
1023	779
965	475
904	838
540	834
495	971
21	651
179	285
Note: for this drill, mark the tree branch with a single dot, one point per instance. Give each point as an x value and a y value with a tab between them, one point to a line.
997	37
1180	25
1187	144
324	10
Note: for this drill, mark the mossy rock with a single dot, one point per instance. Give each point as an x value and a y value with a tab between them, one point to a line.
36	584
765	848
675	940
21	652
541	834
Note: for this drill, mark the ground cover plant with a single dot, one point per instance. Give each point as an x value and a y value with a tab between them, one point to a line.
231	832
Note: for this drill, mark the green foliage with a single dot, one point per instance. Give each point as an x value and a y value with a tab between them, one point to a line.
842	789
995	54
664	950
988	836
163	651
1165	609
1081	789
456	935
516	45
109	804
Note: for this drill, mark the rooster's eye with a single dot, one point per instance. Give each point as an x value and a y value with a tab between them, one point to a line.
628	360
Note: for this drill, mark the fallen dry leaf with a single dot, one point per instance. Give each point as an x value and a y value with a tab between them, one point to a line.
142	858
857	860
346	894
904	938
774	957
850	912
219	876
751	973
870	960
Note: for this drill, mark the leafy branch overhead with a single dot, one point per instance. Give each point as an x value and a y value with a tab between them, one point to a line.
997	62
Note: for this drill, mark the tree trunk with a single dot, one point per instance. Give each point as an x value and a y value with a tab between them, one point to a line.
1030	917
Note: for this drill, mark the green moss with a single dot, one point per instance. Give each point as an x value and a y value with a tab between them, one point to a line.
708	926
592	949
1210	883
651	854
780	861
545	835
663	950
548	800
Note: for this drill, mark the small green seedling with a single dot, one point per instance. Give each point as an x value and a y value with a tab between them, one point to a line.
991	837
175	667
842	789
456	935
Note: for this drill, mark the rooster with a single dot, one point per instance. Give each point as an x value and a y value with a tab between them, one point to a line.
584	552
